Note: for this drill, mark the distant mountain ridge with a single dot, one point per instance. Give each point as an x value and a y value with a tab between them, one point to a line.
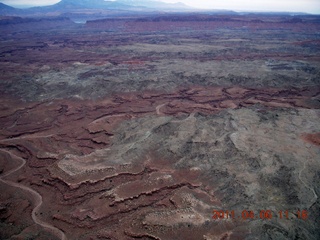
5	9
92	4
4	6
125	4
155	4
97	9
74	5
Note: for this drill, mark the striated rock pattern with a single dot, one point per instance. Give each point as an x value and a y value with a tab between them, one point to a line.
111	133
155	165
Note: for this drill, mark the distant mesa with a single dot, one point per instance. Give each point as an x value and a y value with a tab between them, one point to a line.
293	20
19	20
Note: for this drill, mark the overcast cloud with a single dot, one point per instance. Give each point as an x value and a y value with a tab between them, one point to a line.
310	6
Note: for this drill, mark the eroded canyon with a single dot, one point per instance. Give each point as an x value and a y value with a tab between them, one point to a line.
139	128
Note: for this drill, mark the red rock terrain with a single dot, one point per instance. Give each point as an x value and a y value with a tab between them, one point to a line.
145	198
138	128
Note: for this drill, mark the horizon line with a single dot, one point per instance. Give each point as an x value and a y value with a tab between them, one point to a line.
192	9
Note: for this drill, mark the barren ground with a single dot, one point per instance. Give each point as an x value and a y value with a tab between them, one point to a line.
140	128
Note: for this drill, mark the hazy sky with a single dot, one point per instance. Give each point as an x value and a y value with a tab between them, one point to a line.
311	6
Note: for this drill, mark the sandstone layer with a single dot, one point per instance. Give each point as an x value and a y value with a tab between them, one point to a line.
111	133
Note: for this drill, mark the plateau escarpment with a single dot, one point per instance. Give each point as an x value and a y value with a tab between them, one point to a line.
107	133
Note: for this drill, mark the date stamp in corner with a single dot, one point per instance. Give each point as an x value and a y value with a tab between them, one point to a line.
262	214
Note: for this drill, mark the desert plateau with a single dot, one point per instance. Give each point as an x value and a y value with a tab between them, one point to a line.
164	126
